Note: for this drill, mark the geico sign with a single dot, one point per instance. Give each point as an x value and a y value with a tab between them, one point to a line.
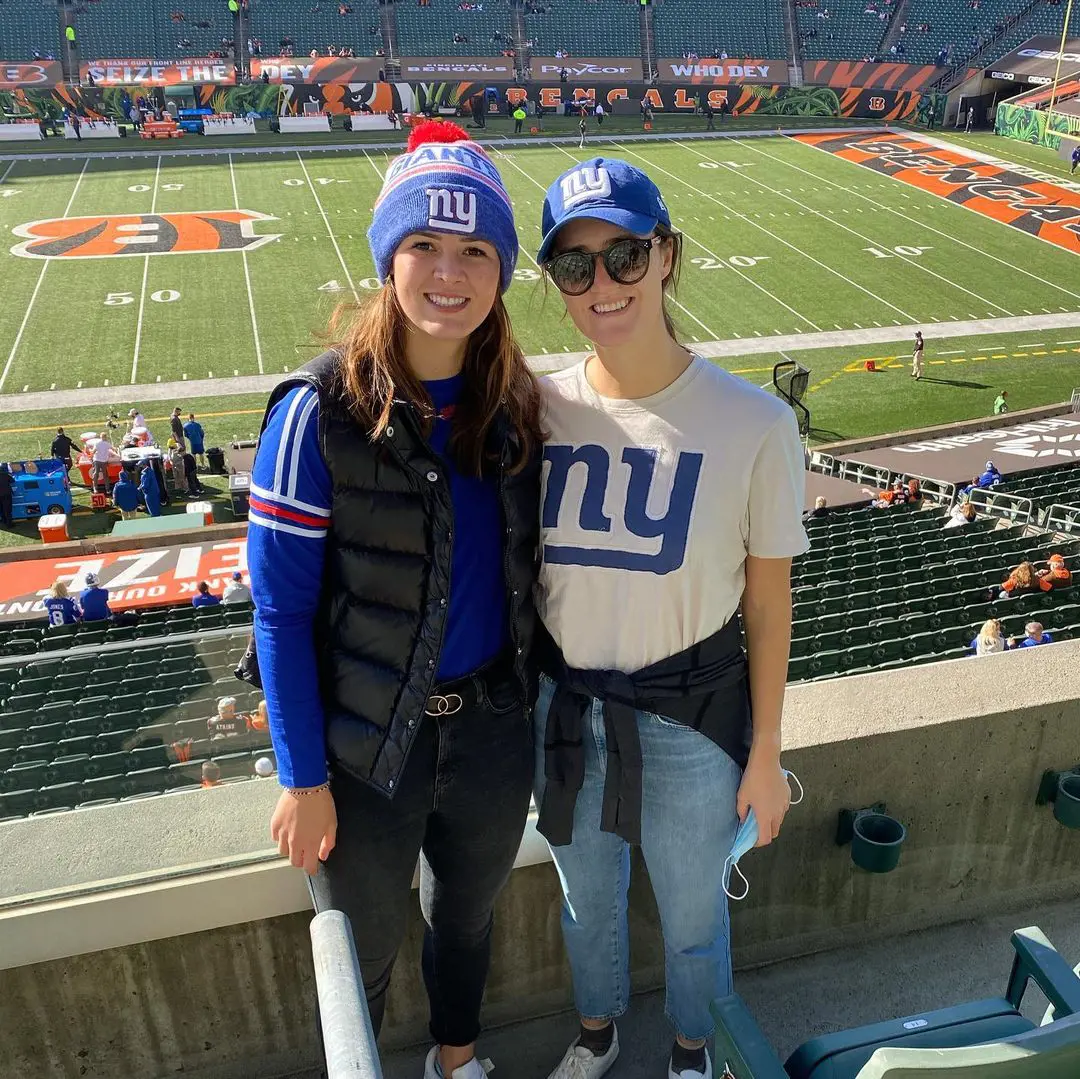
24	73
1007	75
1043	54
583	69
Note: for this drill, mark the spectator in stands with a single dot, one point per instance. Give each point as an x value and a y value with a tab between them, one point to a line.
334	553
990	477
126	496
1022	580
1056	572
963	513
61	448
7	496
1036	635
613	246
228	722
914	491
193	431
151	492
990	638
259	719
204	597
236	591
211	774
893	496
60	608
1000	404
821	505
94	600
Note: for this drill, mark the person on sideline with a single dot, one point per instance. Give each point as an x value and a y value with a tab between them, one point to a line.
1001	405
151	492
125	496
643	727
917	356
60	608
100	458
7	495
393	530
176	426
193	432
61	448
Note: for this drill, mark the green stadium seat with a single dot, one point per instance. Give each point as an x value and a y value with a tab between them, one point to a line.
43	732
10	739
17	803
153	780
24	776
60	796
107	764
93	706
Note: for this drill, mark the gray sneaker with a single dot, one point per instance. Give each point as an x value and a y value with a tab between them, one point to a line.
580	1063
673	1074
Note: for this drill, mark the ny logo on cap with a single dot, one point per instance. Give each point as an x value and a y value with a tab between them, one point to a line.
454	211
589	182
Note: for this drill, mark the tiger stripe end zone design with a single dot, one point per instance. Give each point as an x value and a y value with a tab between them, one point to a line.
120	235
1036	207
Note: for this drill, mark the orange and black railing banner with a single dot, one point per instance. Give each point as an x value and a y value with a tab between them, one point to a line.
842	74
41	74
321	69
186	72
722	72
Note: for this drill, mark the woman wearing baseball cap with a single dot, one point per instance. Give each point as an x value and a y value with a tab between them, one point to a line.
672	500
393	529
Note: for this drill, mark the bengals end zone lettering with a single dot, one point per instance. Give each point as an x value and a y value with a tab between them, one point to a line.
117	235
1033	206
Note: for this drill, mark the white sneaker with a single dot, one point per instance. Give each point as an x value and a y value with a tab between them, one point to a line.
673	1074
471	1069
580	1063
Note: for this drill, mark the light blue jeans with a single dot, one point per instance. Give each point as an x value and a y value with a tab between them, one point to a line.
688	823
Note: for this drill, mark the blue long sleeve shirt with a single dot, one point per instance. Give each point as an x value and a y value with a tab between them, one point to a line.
288	519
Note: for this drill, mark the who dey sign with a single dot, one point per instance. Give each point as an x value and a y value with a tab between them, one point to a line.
711	72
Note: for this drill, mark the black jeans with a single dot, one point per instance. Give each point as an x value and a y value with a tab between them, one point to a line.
461	807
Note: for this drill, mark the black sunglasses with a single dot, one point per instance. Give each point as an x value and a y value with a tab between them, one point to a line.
626	262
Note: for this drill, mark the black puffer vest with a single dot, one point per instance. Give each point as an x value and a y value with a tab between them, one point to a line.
386	577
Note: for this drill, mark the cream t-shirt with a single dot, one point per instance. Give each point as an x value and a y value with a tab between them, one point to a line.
650	507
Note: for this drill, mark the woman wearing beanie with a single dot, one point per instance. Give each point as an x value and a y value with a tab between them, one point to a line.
673	500
394	524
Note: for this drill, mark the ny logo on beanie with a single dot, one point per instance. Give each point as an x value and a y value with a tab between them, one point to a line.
454	211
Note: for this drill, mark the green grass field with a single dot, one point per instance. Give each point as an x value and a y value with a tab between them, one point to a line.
780	240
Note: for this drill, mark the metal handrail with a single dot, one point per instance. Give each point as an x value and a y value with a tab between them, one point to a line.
348	1037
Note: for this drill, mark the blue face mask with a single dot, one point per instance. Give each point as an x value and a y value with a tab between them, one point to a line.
746	839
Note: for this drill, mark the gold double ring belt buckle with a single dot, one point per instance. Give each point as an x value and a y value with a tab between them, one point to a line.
439	704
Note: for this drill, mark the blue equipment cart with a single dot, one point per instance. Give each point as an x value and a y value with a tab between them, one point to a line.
39	487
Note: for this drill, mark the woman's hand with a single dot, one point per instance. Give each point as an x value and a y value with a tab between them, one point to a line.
305	829
764	789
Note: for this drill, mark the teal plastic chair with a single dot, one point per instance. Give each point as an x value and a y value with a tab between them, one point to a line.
986	1039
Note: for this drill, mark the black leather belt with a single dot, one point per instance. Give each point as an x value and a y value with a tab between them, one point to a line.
449	698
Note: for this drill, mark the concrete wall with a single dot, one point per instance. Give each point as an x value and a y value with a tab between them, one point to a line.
210	973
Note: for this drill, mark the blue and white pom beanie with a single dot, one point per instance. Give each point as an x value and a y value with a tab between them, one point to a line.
444	182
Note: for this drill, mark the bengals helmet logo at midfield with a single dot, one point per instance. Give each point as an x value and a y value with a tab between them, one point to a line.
116	235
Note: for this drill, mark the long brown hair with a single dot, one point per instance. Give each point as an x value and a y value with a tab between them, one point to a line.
671	282
371	339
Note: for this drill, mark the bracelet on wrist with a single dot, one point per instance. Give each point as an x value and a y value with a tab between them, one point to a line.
300	792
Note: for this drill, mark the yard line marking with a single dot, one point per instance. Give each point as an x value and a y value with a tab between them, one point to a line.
937	202
952	352
37	287
1038	344
329	230
768	232
712	254
6	171
712	335
373	165
145	273
860	235
247	276
1076	342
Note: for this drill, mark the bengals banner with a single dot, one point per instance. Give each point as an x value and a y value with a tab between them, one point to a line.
323	69
722	72
23	76
1038	208
844	74
480	68
159	72
134	579
586	68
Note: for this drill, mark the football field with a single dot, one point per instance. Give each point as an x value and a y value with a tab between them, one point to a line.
136	269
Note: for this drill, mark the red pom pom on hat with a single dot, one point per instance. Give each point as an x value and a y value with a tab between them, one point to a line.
436	131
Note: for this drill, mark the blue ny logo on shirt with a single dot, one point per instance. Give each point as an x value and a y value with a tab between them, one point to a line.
672	529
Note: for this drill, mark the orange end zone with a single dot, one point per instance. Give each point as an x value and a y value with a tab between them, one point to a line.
1036	207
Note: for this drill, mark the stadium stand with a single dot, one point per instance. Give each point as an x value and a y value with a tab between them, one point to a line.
29	27
843	30
96	724
115	29
589	28
430	29
890	588
205	27
708	29
316	26
1057	484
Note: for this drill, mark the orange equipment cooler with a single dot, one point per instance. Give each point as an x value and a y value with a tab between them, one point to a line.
53	528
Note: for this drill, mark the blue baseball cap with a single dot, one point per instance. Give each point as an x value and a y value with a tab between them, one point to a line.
607	189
